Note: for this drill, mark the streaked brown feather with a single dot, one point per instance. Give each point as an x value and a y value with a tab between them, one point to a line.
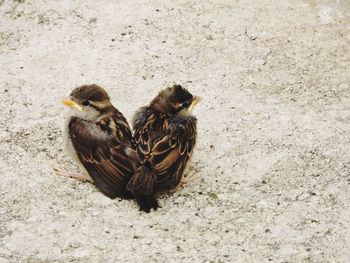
164	138
169	159
103	154
166	142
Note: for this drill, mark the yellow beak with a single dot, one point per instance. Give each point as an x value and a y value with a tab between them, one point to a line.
71	103
195	101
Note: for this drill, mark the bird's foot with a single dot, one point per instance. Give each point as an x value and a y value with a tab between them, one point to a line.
185	180
81	177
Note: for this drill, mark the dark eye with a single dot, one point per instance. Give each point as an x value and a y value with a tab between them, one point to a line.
86	103
186	104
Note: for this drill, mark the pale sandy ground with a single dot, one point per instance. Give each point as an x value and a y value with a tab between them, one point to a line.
273	155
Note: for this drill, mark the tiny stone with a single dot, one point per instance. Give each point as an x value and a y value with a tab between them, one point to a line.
93	20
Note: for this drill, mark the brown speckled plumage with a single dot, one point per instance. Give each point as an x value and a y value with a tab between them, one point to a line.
100	136
164	139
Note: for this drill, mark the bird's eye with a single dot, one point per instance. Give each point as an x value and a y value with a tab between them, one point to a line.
186	104
86	103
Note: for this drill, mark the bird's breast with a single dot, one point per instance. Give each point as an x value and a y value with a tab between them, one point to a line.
67	142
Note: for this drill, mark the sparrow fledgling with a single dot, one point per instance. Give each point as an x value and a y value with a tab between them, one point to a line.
165	134
96	137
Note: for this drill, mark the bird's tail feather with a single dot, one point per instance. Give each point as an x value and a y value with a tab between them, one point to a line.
142	186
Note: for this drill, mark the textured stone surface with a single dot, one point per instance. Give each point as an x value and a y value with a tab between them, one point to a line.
273	155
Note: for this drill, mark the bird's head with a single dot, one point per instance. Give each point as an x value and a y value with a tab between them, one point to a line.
88	101
175	100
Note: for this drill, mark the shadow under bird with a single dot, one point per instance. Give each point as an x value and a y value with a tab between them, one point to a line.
165	135
97	137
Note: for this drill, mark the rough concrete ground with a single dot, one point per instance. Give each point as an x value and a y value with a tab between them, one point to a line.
273	155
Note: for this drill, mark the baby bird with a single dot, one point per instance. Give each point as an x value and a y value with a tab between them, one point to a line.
97	136
165	134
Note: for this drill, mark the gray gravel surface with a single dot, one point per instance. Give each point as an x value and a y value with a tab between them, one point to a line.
273	156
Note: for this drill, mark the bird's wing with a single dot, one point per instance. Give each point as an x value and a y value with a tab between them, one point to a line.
168	145
102	155
117	126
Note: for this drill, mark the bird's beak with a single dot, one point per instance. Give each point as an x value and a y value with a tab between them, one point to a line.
195	101
71	103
